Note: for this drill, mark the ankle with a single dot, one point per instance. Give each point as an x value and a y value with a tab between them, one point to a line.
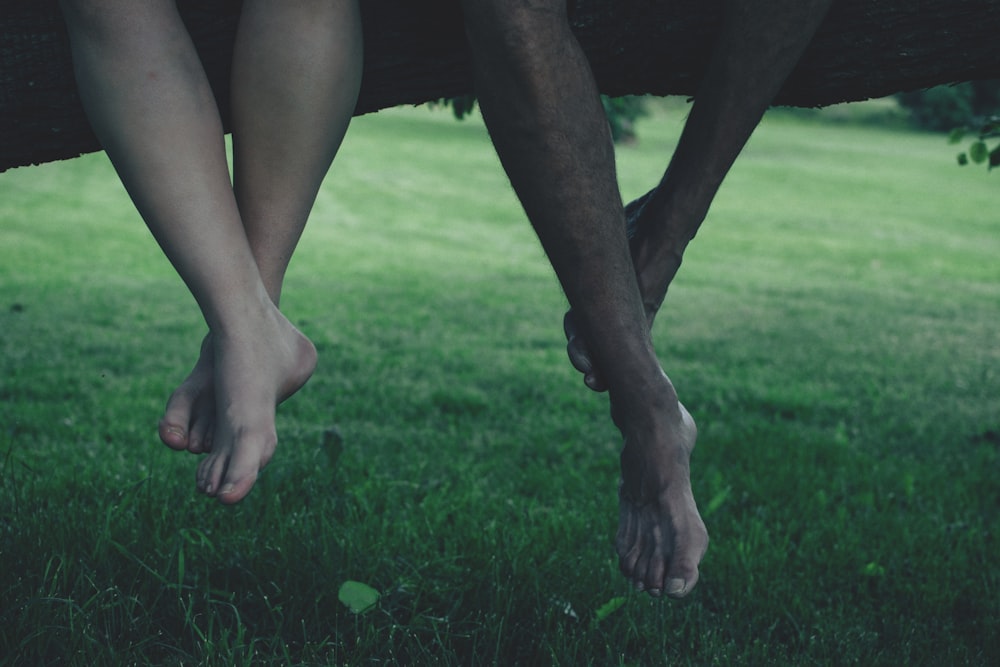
644	399
248	314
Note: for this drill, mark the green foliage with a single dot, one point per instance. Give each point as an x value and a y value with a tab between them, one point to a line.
461	105
983	149
358	597
609	607
946	107
970	108
622	113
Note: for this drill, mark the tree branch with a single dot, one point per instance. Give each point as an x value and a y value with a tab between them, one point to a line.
415	52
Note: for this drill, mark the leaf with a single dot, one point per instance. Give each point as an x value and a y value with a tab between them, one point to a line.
873	569
358	597
963	159
995	157
978	152
608	608
956	135
717	501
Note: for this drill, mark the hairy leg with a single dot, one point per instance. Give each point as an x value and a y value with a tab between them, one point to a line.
546	120
759	46
149	101
296	76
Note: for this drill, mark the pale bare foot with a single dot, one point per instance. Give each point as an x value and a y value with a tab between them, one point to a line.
189	420
255	369
661	538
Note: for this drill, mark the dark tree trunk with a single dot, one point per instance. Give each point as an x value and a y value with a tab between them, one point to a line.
415	52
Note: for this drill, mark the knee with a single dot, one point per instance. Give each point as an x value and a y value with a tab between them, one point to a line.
514	27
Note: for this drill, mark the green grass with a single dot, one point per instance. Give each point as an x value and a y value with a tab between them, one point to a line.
833	330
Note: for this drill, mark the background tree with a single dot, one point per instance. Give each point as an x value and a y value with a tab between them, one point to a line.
947	107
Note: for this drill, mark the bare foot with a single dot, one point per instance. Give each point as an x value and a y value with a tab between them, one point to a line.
189	420
254	370
661	538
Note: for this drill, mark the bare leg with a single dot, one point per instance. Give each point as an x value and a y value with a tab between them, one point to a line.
149	101
545	117
296	75
759	46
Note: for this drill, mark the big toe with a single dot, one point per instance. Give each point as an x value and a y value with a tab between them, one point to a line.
177	418
189	418
232	475
682	574
679	583
172	434
236	490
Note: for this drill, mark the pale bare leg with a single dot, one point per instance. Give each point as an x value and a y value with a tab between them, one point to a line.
759	46
296	76
544	115
149	101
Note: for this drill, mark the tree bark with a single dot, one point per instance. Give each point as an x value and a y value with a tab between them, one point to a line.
416	52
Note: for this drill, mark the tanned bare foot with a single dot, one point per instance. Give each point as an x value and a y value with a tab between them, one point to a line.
189	420
254	370
661	537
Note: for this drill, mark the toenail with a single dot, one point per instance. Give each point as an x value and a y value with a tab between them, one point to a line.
675	586
228	488
655	592
639	586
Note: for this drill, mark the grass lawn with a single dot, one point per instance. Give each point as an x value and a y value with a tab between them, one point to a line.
833	331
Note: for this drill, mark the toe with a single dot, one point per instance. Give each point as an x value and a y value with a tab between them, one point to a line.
200	440
174	425
575	348
234	491
173	435
248	456
628	542
656	566
647	575
679	587
681	577
210	472
682	574
579	356
639	572
595	383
